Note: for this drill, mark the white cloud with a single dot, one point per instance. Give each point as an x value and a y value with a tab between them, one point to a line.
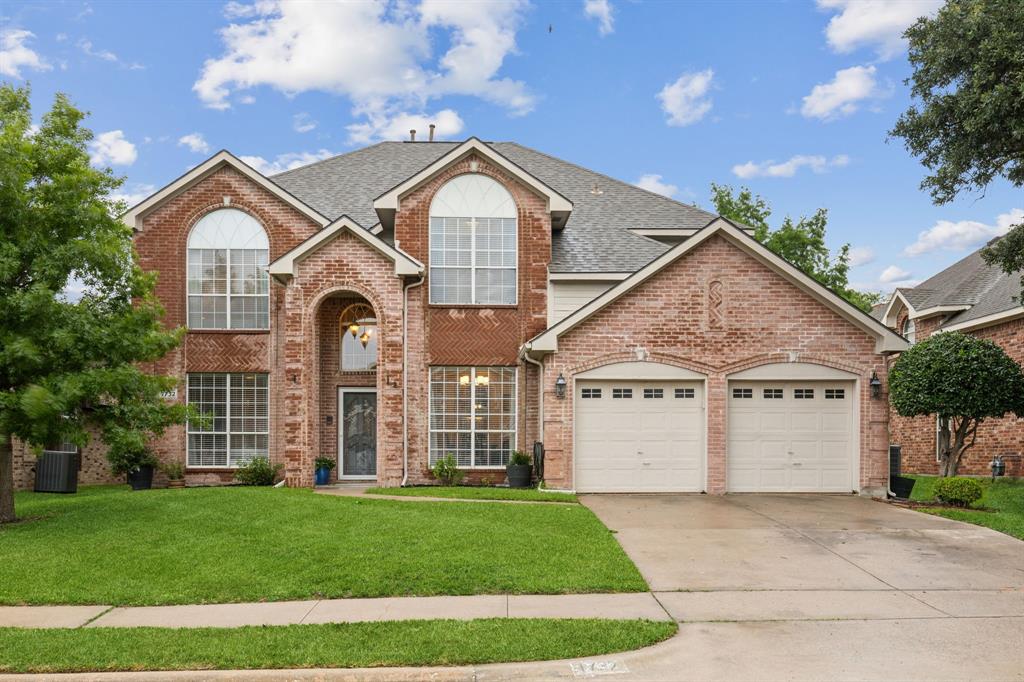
86	46
843	94
397	126
947	235
653	183
15	55
876	23
111	148
195	143
287	161
787	169
603	12
132	196
894	273
861	255
684	101
380	55
303	123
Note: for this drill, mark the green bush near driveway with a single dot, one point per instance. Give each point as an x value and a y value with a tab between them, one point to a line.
341	645
477	493
107	545
1002	502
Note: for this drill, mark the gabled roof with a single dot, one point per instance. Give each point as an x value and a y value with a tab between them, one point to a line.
886	339
387	203
970	293
135	214
284	267
596	239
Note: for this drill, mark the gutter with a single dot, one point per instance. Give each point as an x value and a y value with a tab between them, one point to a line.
405	378
524	353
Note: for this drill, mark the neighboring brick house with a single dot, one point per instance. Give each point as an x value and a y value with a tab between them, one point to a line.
405	301
974	298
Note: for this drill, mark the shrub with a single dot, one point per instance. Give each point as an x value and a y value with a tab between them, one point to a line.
447	470
173	470
259	471
325	463
519	458
125	461
959	492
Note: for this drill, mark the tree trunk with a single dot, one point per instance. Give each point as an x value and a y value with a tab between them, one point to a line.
6	479
945	454
954	440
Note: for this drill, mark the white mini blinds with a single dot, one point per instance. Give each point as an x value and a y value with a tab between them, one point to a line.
473	415
228	286
473	243
237	424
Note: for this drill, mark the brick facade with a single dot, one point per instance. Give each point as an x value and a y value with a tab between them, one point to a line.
1004	436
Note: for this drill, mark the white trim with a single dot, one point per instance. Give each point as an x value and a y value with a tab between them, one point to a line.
986	321
472	401
342	390
887	316
135	216
388	204
588	276
792	371
935	310
640	371
472	267
886	339
285	266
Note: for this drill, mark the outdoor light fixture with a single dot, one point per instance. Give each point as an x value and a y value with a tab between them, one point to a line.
876	386
353	329
560	386
365	338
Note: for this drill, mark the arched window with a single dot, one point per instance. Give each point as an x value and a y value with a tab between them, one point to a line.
228	287
473	243
358	338
909	330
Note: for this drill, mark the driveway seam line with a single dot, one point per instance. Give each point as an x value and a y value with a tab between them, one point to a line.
667	613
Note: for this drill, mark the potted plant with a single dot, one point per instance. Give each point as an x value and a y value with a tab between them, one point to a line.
519	470
175	473
136	463
324	467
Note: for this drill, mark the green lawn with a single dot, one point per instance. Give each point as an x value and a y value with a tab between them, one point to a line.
108	545
477	493
1005	497
344	645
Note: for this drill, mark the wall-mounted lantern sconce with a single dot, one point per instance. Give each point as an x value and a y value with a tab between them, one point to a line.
876	386
560	386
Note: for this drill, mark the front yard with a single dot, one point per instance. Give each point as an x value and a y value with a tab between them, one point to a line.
477	493
1001	507
108	545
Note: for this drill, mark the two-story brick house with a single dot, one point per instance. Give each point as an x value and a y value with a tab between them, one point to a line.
404	301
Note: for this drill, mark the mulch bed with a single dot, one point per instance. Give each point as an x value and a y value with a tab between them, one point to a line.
933	504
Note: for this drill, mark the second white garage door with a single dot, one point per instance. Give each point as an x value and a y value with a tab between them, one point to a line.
639	436
790	436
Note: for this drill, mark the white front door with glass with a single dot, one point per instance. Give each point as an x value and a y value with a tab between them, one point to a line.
357	433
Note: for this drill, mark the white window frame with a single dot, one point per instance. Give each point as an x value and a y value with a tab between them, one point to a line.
472	431
909	330
227	433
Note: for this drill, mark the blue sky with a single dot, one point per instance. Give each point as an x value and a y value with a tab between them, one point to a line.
792	99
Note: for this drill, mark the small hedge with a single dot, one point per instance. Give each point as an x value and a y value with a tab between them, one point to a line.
959	492
259	471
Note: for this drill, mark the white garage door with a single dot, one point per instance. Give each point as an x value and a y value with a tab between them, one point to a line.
791	436
643	436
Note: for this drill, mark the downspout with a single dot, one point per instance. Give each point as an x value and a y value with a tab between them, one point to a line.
405	378
525	353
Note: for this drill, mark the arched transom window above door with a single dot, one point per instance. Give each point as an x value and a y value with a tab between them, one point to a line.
228	285
358	328
473	243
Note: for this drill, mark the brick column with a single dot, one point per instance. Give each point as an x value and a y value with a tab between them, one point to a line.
716	433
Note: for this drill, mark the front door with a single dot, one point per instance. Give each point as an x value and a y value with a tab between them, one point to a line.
357	433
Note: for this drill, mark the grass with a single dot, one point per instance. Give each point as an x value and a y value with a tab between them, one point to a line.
108	545
342	645
477	493
1004	497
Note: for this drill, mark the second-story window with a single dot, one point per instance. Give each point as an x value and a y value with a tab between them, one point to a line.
228	286
909	330
473	235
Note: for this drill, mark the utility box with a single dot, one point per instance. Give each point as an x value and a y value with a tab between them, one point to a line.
57	472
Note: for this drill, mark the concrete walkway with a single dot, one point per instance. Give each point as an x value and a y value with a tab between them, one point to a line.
347	490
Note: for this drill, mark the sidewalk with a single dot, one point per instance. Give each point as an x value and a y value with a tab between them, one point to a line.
612	606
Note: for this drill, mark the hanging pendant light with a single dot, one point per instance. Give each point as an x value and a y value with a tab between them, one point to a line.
364	338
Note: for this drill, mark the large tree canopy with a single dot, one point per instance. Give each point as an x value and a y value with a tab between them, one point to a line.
70	366
962	380
967	124
802	243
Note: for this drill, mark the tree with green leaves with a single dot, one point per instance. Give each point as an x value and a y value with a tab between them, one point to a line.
70	367
967	125
961	379
802	243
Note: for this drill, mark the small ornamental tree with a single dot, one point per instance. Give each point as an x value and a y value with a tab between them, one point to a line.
961	379
70	367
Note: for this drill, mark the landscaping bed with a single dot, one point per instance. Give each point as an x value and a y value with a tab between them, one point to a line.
1000	508
108	545
477	493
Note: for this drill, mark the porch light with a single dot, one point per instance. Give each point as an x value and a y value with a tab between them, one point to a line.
876	386
353	329
560	386
365	338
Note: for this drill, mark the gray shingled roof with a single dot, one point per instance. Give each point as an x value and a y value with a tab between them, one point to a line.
595	239
969	281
